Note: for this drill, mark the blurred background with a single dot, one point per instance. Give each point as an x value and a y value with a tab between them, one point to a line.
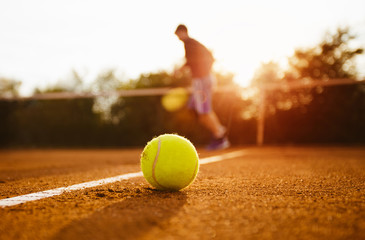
292	70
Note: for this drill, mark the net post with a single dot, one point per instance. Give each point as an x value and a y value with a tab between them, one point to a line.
261	118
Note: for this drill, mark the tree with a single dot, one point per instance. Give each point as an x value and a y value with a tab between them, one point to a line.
332	58
269	72
107	82
322	114
9	87
72	83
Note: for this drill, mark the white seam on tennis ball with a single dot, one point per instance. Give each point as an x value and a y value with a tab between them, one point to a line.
155	163
195	170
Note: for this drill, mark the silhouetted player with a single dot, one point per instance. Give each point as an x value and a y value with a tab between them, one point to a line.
200	60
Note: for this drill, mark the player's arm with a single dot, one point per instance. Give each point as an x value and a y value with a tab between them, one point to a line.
181	70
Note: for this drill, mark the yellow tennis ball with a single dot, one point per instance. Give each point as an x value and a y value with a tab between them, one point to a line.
170	162
175	99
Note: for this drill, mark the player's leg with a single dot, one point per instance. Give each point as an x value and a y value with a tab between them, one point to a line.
202	103
211	122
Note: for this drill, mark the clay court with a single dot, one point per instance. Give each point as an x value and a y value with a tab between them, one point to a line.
261	193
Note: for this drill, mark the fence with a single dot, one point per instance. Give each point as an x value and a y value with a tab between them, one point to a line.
264	90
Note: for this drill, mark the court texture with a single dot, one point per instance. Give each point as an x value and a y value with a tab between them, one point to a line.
270	192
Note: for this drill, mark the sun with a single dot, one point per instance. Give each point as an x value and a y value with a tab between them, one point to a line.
242	71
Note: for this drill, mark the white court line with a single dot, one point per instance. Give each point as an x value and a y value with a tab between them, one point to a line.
7	202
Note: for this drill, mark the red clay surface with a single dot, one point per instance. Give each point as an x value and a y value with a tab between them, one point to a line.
270	193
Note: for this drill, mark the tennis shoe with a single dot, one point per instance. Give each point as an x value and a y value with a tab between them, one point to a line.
218	144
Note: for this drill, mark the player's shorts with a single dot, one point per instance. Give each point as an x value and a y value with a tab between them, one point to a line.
201	97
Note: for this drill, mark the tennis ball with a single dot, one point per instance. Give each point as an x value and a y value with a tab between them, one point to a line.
170	162
175	99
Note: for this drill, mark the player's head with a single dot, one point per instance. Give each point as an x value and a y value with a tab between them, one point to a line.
182	32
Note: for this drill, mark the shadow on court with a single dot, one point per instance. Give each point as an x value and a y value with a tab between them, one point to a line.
129	219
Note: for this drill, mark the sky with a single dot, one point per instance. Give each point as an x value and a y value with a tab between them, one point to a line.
42	41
